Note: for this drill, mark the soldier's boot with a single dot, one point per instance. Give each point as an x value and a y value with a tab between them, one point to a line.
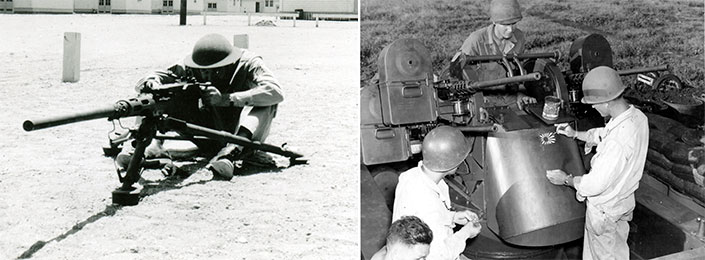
223	163
259	159
154	150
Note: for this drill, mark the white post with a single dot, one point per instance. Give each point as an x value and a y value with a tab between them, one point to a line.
248	19
294	21
204	11
316	21
72	57
241	41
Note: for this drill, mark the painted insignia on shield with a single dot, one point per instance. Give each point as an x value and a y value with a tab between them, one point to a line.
548	138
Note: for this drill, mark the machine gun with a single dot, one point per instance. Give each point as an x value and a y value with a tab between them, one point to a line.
155	106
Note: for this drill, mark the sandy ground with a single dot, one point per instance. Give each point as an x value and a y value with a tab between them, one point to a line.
55	184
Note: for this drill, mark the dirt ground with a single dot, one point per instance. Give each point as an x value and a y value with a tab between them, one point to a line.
55	184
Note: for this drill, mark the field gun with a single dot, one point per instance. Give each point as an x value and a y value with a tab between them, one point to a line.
406	104
157	106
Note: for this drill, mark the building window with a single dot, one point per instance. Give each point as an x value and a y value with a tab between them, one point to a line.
168	3
268	3
212	6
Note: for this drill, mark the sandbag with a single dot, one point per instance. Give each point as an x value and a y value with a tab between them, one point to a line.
659	139
659	159
689	188
663	174
684	172
676	152
679	130
661	123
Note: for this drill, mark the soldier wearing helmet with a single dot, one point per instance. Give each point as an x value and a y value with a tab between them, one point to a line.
422	192
499	38
242	99
616	168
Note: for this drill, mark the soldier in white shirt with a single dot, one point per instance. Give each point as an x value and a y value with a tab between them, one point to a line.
608	188
422	192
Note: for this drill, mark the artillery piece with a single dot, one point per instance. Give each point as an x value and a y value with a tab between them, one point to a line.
503	178
406	104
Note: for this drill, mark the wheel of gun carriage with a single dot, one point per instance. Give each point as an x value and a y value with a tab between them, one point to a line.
552	82
386	179
667	82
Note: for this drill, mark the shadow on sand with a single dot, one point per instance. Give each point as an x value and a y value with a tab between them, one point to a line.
192	173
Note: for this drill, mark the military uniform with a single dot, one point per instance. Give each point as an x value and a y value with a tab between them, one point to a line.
256	92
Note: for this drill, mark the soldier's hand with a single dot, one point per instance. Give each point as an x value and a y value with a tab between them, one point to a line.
464	217
211	95
148	85
557	177
566	130
472	229
523	99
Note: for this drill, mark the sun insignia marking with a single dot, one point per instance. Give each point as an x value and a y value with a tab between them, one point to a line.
548	138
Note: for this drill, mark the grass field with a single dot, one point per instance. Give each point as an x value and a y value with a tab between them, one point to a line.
642	33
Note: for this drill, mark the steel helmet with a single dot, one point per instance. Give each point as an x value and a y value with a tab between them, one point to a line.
601	84
505	11
212	51
444	148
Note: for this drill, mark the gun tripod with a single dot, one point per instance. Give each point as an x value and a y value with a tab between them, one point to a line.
127	194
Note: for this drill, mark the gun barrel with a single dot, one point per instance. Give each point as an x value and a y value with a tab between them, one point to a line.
487	58
643	70
479	129
30	125
534	76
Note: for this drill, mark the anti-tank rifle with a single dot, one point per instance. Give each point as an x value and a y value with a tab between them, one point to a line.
154	105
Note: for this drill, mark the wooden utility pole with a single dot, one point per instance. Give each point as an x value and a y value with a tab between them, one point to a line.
182	13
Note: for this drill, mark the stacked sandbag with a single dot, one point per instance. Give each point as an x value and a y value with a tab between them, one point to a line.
667	158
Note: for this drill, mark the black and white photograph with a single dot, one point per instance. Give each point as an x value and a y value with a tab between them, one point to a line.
192	129
509	129
352	129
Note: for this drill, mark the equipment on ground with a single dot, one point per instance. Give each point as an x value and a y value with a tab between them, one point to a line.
155	106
